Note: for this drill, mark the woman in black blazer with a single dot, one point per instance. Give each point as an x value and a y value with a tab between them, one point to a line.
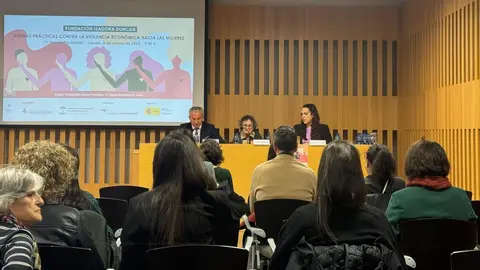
310	127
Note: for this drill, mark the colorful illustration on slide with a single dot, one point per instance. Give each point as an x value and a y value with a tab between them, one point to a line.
32	70
148	65
97	68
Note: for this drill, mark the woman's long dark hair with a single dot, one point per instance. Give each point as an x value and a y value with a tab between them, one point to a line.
315	121
74	196
340	184
179	177
381	162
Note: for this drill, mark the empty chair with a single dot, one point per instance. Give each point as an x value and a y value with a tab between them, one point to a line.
114	211
197	257
71	258
431	241
271	214
121	192
465	260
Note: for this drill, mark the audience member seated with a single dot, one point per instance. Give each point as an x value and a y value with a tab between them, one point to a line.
429	193
381	181
84	200
213	153
64	221
179	209
283	177
338	230
247	131
211	182
93	203
20	204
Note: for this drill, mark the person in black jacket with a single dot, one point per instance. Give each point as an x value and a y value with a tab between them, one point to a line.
63	224
200	128
337	218
179	209
381	181
310	127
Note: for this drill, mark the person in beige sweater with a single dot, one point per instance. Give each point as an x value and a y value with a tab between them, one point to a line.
283	177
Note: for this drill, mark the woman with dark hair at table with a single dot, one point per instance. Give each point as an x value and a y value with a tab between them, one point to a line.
310	127
179	209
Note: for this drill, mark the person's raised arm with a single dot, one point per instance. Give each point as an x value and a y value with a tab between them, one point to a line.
114	83
35	81
76	83
151	84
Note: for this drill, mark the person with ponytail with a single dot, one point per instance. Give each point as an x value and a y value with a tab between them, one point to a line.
381	181
338	230
429	192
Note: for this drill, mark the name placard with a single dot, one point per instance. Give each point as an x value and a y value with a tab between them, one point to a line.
317	143
261	142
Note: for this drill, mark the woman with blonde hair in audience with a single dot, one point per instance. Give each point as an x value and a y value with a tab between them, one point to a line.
179	209
20	204
63	223
381	181
429	192
338	229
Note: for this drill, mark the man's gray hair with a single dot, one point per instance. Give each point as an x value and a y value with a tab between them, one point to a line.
196	109
15	183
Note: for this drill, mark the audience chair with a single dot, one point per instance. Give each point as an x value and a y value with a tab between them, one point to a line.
469	194
430	242
252	245
121	192
114	211
476	208
465	260
71	258
270	215
197	257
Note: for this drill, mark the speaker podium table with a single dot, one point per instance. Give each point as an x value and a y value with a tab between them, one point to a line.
240	160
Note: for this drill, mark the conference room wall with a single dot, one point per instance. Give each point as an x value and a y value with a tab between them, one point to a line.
265	61
440	81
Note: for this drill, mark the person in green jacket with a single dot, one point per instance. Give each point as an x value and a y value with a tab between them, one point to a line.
428	193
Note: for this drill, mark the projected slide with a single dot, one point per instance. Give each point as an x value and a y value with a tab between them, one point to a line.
97	69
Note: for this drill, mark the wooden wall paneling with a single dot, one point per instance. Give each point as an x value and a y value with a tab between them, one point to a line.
102	164
92	158
82	152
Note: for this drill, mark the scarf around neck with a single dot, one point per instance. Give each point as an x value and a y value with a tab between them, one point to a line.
433	182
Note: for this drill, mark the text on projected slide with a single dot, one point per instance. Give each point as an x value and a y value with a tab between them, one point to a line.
97	69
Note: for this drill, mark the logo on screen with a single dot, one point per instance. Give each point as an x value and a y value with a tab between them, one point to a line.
104	109
9	108
152	111
62	110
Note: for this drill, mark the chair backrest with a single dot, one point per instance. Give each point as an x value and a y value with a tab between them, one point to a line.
114	211
465	260
197	257
121	192
271	214
71	258
431	241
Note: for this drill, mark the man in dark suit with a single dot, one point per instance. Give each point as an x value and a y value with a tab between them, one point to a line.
199	128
